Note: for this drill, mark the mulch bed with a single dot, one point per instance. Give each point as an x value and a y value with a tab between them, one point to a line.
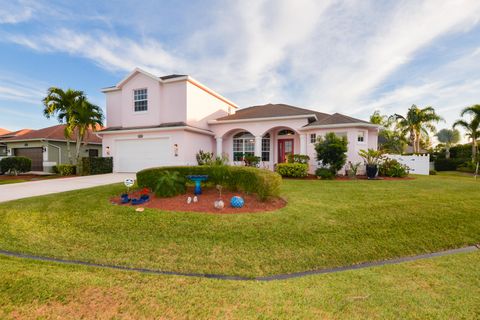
205	202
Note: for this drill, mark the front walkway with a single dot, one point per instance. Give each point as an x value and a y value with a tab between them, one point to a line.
37	188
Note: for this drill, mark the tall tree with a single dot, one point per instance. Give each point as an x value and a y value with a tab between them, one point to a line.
449	137
60	103
472	127
85	116
72	108
418	122
390	140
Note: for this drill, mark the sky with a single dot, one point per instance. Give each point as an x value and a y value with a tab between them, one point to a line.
351	57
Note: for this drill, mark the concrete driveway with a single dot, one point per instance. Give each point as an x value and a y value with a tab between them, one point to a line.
37	188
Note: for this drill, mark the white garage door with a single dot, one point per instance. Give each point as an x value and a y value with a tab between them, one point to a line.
135	155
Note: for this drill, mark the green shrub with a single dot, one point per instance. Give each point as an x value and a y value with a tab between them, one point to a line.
392	168
324	174
170	184
332	151
263	183
292	170
204	158
65	169
251	161
432	172
96	165
448	164
298	158
15	165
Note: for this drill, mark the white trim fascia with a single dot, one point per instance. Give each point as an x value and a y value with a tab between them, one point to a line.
180	128
340	125
303	116
134	72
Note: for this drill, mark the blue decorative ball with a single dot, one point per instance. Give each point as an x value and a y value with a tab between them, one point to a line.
237	202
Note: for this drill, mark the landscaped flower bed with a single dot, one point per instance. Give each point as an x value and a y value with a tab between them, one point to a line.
205	202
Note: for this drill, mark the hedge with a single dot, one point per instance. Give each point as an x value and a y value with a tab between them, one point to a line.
263	183
448	164
293	170
15	164
65	169
96	165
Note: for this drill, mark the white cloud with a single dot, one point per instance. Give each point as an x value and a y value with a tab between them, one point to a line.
13	12
332	55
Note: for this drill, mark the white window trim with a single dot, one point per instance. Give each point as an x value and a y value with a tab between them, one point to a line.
133	101
364	137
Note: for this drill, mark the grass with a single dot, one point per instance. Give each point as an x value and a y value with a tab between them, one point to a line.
325	224
10	181
440	288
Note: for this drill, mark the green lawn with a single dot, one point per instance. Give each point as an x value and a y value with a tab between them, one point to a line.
325	224
10	181
439	288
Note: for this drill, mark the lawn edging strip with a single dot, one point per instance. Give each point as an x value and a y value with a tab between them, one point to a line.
240	278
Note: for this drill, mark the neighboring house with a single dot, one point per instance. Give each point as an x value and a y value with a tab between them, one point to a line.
7	134
47	147
159	121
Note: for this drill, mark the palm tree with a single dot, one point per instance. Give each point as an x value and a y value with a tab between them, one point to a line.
417	123
472	130
72	108
61	103
85	116
449	137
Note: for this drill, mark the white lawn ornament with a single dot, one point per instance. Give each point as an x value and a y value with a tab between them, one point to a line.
128	183
189	200
195	199
219	204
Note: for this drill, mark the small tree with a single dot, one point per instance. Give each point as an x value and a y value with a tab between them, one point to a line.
331	151
449	137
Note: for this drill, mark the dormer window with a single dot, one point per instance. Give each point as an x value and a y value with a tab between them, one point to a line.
140	100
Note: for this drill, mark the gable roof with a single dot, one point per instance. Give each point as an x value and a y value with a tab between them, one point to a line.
272	111
50	133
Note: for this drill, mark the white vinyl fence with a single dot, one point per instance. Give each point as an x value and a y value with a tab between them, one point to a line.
418	164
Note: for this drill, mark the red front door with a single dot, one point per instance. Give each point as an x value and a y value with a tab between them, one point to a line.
285	147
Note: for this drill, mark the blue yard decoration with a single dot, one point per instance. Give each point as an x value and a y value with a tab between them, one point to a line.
198	182
237	202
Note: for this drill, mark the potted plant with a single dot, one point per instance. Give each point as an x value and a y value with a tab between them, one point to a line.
372	159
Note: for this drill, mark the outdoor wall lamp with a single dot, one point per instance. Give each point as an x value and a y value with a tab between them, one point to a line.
175	150
9	152
107	150
44	149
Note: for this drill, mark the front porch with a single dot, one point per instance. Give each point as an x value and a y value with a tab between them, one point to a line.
272	146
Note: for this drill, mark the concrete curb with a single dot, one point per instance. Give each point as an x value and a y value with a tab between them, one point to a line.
240	278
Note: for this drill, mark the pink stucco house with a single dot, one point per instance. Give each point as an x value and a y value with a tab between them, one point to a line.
159	121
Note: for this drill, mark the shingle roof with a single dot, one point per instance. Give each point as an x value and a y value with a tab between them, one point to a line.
270	111
50	133
14	133
4	131
336	118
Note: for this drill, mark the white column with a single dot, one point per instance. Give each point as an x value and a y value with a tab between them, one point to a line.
258	146
219	146
303	144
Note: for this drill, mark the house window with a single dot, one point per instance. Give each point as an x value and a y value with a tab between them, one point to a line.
140	99
93	153
361	136
243	145
266	147
313	138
